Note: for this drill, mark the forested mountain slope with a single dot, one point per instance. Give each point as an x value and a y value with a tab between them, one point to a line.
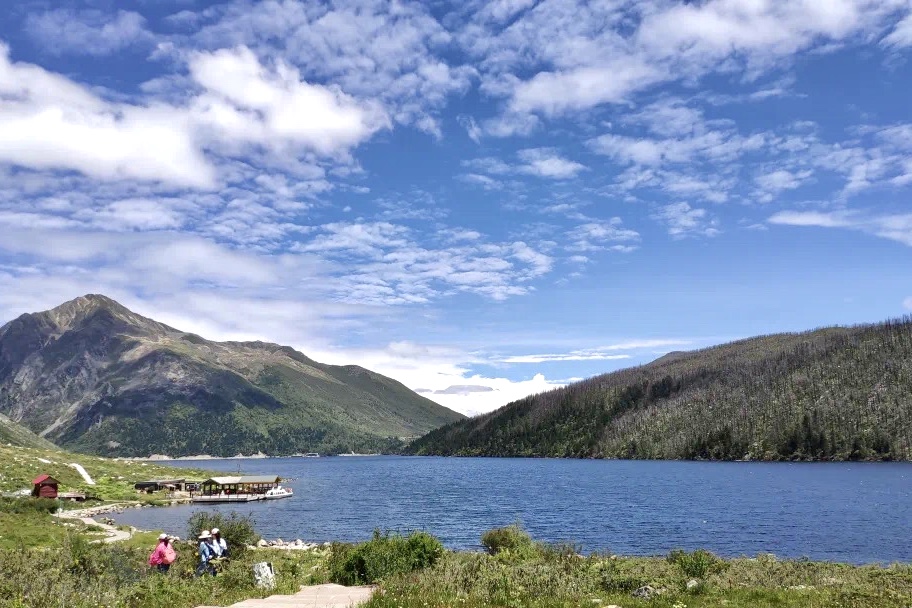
92	376
841	393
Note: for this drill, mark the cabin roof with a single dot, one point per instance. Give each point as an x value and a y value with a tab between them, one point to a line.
242	479
44	478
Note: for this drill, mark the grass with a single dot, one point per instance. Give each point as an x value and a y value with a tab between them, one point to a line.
113	478
552	580
414	572
83	575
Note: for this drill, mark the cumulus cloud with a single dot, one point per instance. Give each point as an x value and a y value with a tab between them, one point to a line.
245	101
50	122
47	121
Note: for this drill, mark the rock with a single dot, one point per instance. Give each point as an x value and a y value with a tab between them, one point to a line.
327	544
279	541
262	543
612	606
298	542
645	592
801	587
692	583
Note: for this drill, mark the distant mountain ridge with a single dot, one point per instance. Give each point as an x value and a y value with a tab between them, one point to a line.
93	376
839	393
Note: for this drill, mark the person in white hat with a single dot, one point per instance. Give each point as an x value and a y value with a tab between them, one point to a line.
219	545
205	554
163	555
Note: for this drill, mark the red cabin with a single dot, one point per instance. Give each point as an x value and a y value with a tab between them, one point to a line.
44	486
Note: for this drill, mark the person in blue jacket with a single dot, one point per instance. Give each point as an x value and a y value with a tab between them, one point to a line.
205	554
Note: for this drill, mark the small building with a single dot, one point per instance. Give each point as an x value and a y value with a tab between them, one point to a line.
44	486
180	485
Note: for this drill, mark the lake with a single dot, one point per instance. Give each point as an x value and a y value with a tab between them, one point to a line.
847	512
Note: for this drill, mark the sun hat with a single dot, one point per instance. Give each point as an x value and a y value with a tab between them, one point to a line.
215	530
162	536
205	534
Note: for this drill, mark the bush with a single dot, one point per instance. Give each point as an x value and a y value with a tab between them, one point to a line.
383	556
511	539
28	506
238	531
697	564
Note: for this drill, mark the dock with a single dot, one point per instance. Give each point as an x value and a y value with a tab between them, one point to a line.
228	498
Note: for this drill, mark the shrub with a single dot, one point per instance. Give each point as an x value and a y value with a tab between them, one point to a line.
237	530
383	556
28	506
511	539
697	564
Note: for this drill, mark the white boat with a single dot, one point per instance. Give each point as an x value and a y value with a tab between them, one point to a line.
278	492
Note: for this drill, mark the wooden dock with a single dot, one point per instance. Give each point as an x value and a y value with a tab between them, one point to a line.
228	498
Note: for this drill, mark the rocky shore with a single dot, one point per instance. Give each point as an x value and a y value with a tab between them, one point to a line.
292	545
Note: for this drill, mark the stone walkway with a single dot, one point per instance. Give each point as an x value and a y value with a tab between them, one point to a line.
317	596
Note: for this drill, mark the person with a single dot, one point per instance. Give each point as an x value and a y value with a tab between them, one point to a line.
205	554
219	545
163	555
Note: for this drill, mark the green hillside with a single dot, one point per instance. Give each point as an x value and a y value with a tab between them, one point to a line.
13	434
841	393
92	376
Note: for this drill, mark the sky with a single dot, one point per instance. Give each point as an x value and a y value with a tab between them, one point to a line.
483	200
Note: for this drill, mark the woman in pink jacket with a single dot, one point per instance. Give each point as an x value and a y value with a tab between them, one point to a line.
163	555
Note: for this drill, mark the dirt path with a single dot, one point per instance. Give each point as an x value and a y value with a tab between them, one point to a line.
112	534
316	596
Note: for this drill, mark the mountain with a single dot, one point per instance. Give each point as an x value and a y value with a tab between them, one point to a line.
19	436
93	376
840	393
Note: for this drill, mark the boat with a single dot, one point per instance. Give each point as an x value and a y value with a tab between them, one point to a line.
278	492
311	455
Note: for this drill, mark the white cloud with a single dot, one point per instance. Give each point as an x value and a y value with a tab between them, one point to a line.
582	55
558	92
50	122
907	303
683	220
246	102
387	265
546	163
574	356
373	49
901	36
895	227
87	32
597	235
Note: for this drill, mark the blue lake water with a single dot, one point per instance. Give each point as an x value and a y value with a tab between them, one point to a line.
848	512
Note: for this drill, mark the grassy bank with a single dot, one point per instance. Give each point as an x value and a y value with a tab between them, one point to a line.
416	572
113	478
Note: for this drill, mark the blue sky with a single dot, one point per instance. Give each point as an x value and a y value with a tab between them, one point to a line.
480	199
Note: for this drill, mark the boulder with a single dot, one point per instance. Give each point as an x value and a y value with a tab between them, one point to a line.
692	583
645	592
262	543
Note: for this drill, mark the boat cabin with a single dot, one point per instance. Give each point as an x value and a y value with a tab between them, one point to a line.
241	488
